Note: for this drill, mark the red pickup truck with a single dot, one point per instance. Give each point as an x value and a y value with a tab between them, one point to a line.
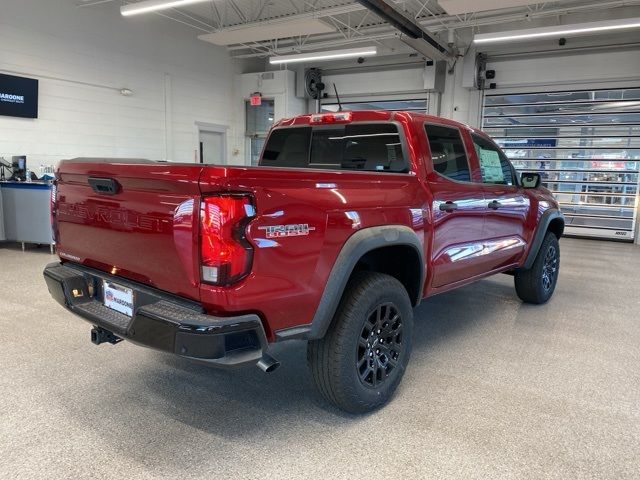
351	219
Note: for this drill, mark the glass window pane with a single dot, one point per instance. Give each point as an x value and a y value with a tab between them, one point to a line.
618	118
259	118
567	142
494	166
369	147
287	147
581	131
447	152
585	145
555	97
564	108
574	153
256	148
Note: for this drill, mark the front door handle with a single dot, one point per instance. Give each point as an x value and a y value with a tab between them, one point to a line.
448	206
495	205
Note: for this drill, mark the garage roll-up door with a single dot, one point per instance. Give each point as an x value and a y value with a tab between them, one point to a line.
586	146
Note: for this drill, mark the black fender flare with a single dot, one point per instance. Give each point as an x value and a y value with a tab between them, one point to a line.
543	227
356	246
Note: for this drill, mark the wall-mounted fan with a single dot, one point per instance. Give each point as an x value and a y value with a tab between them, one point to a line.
481	68
313	83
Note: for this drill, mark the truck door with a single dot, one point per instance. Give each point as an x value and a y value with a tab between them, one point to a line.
458	207
506	205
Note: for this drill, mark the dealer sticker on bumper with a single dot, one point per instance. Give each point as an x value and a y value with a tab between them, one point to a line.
118	298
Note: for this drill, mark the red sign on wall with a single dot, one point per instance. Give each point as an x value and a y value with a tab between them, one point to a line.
256	99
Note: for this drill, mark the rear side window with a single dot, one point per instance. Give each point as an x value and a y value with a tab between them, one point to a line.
447	152
495	167
287	147
359	146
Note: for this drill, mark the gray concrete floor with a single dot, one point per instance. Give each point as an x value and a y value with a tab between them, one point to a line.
495	389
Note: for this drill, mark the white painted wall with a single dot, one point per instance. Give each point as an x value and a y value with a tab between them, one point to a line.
564	70
84	56
542	71
459	103
281	88
410	80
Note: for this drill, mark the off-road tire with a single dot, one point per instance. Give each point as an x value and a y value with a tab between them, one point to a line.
537	284
340	362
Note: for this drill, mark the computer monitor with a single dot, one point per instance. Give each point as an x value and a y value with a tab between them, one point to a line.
19	164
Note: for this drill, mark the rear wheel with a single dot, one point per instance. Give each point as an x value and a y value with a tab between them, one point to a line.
359	363
537	284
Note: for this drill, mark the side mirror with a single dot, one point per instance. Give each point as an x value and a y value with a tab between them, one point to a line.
530	180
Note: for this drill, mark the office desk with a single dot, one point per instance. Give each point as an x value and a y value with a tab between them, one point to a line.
24	211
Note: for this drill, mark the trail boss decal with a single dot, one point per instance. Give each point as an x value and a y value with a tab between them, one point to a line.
293	230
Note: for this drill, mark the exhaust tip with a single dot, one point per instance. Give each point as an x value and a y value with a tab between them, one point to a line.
268	364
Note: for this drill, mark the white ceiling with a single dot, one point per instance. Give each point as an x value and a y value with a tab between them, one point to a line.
259	28
456	7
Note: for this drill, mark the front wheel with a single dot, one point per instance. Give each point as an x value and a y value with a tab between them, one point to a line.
537	284
359	363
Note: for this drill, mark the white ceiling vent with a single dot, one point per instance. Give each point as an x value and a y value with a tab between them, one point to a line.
268	31
456	7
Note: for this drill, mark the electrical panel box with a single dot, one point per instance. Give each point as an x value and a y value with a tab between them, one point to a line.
434	75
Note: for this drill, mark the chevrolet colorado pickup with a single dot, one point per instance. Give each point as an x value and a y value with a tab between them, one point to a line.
351	219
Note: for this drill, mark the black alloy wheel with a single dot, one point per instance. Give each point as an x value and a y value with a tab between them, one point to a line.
380	345
550	268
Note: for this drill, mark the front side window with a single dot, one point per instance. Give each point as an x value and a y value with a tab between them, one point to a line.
494	166
359	146
447	152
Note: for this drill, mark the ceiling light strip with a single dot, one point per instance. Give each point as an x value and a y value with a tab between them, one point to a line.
326	55
557	31
148	6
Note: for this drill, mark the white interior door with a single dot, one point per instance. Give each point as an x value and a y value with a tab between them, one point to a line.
212	148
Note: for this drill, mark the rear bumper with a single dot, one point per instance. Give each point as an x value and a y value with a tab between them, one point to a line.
160	320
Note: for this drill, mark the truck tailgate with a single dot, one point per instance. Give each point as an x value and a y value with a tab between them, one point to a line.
136	219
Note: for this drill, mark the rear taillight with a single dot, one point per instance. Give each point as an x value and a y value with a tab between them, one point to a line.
53	205
225	253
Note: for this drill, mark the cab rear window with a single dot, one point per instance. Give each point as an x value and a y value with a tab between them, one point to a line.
360	146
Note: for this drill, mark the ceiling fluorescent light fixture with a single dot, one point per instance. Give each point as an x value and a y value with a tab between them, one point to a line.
326	55
557	31
148	6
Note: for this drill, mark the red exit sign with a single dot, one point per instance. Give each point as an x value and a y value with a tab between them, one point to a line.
256	99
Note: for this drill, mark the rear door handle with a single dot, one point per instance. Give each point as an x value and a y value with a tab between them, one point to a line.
448	206
495	205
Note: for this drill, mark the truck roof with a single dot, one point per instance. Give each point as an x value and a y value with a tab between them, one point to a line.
373	116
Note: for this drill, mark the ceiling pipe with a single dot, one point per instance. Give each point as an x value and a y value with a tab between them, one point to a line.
411	33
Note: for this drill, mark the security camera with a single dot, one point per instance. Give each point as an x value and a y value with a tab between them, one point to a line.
360	59
562	42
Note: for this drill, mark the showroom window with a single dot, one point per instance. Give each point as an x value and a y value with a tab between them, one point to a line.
494	166
586	146
448	155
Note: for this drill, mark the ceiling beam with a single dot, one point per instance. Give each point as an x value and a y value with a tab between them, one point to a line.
437	24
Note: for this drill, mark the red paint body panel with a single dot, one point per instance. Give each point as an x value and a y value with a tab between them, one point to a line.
148	230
